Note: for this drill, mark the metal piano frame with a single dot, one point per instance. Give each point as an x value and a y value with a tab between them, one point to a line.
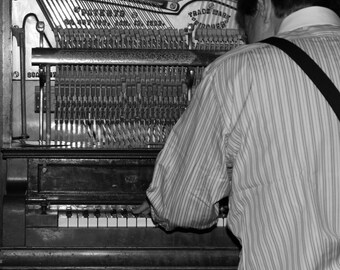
61	180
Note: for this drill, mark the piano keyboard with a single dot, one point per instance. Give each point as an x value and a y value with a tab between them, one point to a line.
103	219
106	217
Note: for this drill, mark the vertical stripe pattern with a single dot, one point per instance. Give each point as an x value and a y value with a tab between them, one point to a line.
258	111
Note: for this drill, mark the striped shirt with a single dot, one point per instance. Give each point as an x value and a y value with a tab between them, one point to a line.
256	111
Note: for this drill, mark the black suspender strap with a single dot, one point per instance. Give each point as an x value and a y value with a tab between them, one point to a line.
314	72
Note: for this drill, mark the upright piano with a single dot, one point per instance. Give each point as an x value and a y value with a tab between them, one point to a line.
97	87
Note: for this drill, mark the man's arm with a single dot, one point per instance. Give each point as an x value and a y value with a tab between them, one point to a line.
190	175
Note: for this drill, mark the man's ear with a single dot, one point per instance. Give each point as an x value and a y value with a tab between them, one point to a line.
265	8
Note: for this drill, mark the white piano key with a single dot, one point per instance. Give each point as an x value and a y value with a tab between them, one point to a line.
82	221
150	223
141	222
73	221
62	220
131	221
102	221
220	222
112	221
92	221
224	221
121	221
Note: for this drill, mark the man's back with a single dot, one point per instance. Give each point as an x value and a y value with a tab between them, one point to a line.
285	147
257	112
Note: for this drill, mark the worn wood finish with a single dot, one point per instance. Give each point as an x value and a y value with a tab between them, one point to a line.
122	258
63	178
5	91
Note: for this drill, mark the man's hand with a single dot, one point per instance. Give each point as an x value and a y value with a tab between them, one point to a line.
143	209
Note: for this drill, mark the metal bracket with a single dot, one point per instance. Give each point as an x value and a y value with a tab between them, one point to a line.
19	34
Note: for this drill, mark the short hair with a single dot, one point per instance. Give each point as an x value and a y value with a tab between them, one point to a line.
284	7
245	8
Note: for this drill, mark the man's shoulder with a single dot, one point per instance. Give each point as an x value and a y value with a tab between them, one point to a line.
238	54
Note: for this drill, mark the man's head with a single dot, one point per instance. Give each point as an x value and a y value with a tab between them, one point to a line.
262	18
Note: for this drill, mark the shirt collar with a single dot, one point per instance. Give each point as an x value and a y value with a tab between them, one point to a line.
309	16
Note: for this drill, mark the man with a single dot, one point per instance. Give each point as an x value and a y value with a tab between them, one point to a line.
258	112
